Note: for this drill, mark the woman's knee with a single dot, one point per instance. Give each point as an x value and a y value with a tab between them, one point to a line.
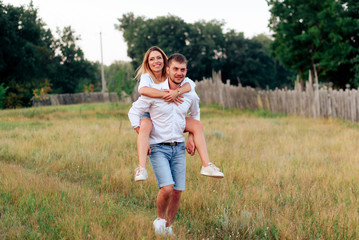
193	125
146	125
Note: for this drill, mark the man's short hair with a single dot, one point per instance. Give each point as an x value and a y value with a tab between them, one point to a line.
177	57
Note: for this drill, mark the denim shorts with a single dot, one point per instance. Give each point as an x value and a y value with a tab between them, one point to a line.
145	115
169	165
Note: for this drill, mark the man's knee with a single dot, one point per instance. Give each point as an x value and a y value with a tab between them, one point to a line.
167	189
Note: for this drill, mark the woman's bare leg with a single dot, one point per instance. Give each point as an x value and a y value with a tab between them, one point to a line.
143	140
195	127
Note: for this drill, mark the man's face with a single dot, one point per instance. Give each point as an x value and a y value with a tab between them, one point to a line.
177	72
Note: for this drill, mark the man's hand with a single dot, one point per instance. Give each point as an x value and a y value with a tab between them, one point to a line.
137	129
149	151
190	146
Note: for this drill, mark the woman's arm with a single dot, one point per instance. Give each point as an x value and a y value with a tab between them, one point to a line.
174	95
152	92
168	95
185	88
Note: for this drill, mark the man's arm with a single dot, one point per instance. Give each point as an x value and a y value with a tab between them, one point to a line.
194	111
190	146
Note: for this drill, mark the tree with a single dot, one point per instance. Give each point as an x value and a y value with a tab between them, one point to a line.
120	77
3	91
234	57
32	59
169	33
207	48
71	69
273	74
351	11
310	35
204	48
25	52
248	62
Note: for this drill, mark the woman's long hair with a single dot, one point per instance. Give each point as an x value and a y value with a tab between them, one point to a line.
145	67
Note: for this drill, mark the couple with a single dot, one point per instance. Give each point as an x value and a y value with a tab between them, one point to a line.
160	116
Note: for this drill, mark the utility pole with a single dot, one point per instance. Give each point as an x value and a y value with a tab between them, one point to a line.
102	71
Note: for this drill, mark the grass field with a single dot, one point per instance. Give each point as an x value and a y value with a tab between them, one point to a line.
67	173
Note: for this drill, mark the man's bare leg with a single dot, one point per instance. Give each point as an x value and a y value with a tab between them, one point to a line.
173	206
163	200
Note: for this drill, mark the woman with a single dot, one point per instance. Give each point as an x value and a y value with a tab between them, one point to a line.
152	73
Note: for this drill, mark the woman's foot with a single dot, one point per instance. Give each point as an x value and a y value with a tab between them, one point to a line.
141	174
211	171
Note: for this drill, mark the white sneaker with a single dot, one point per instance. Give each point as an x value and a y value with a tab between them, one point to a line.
169	231
141	174
160	226
212	171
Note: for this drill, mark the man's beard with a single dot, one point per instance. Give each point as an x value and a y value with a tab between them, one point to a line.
177	83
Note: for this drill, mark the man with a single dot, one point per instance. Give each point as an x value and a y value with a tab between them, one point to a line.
168	157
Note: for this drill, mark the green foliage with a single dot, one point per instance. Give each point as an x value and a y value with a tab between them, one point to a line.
119	77
44	89
30	56
3	91
71	69
249	60
204	48
24	52
316	33
207	48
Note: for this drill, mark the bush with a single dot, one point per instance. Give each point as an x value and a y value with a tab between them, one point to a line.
3	91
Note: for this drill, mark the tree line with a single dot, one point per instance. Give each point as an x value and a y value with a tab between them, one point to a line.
33	61
208	48
321	36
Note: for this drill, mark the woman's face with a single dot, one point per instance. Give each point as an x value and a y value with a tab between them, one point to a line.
155	61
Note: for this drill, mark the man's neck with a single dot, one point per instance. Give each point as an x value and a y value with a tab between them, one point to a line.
173	85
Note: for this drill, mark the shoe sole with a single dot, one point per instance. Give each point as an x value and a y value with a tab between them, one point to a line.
212	176
140	180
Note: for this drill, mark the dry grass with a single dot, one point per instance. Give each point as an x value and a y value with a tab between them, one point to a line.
67	173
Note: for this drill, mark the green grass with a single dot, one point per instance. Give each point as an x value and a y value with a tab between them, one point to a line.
66	172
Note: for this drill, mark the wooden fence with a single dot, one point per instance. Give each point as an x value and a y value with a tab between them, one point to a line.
76	98
343	104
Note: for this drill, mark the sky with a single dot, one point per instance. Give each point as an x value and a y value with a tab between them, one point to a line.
90	17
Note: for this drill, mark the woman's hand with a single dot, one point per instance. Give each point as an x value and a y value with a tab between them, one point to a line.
173	96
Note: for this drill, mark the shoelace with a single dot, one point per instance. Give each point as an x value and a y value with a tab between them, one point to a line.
138	171
214	167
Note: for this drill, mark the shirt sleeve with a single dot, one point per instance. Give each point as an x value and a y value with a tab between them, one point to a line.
138	108
194	110
187	80
145	81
